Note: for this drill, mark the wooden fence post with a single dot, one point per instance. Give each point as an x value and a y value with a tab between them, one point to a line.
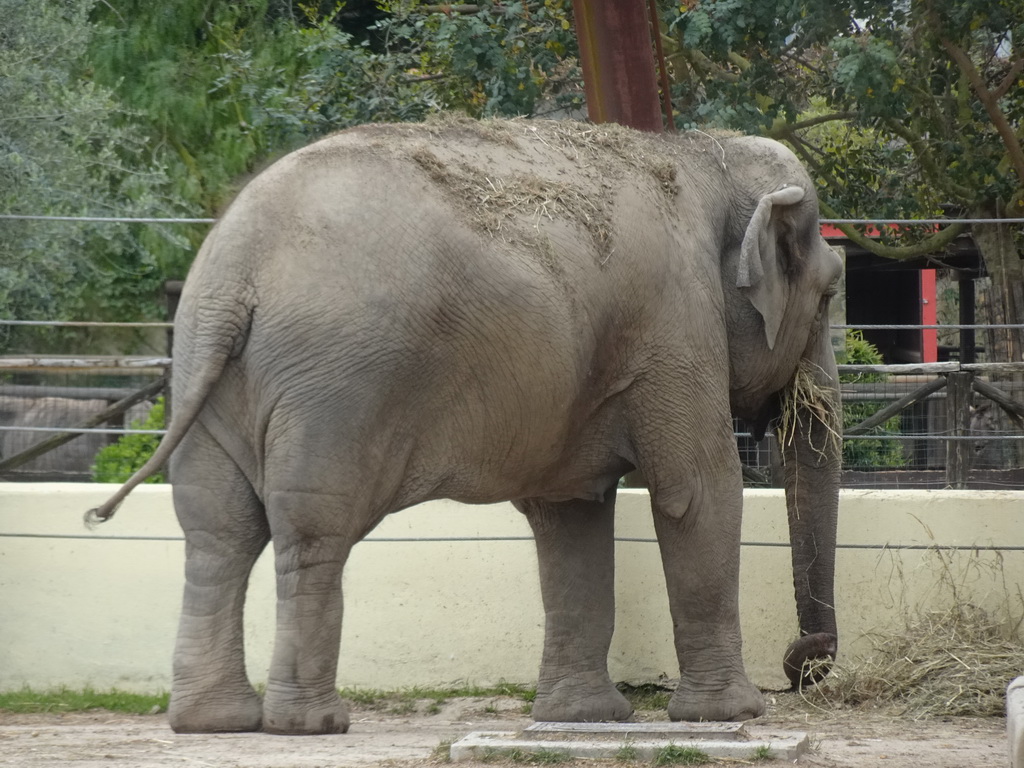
958	425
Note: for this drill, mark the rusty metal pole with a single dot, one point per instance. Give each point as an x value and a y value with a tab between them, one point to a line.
618	63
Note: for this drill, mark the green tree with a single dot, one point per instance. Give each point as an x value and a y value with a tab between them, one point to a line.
226	86
193	72
67	147
509	58
925	102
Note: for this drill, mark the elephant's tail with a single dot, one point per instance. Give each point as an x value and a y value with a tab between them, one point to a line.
224	330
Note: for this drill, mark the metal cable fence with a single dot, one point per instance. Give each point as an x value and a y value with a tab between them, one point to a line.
57	415
904	425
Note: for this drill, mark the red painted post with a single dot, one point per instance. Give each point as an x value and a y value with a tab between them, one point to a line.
618	64
929	316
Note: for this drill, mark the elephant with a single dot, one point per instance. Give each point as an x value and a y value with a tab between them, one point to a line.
498	310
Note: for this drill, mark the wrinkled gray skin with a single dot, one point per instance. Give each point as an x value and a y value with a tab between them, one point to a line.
520	311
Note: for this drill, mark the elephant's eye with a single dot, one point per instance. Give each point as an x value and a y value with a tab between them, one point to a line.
823	307
833	287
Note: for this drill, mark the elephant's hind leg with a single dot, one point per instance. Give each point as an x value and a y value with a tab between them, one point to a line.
312	539
225	531
575	550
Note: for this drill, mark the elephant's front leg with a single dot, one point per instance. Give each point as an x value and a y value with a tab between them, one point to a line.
575	550
699	540
696	497
310	550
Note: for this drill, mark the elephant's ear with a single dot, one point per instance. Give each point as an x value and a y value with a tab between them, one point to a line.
761	271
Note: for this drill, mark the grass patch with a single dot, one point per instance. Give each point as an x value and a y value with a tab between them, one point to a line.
627	754
403	701
405	707
674	754
648	696
524	757
27	701
762	753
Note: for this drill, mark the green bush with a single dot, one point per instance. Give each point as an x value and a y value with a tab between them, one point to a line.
862	453
118	461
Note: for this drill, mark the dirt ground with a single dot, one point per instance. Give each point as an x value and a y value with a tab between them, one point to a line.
416	739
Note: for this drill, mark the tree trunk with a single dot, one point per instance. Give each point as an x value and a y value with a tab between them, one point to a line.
1003	254
1005	265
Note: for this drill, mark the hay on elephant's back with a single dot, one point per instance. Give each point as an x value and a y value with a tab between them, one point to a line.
608	148
492	201
956	662
601	156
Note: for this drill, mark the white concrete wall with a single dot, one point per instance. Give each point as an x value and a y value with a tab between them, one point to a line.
100	608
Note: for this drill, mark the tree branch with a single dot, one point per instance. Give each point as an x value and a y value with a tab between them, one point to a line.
738	61
782	130
1003	88
936	242
802	62
702	63
991	104
924	156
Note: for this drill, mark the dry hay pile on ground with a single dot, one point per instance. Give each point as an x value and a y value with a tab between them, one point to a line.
954	661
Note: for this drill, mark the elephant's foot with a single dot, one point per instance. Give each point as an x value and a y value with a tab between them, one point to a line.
580	699
214	712
737	701
290	714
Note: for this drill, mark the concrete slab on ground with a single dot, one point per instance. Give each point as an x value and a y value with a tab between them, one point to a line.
1015	721
641	741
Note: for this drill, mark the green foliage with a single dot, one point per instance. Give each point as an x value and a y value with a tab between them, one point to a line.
864	453
118	461
502	60
909	77
202	78
68	148
226	85
223	87
133	108
887	180
65	700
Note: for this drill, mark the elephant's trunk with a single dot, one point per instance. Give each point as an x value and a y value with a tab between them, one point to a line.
812	451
